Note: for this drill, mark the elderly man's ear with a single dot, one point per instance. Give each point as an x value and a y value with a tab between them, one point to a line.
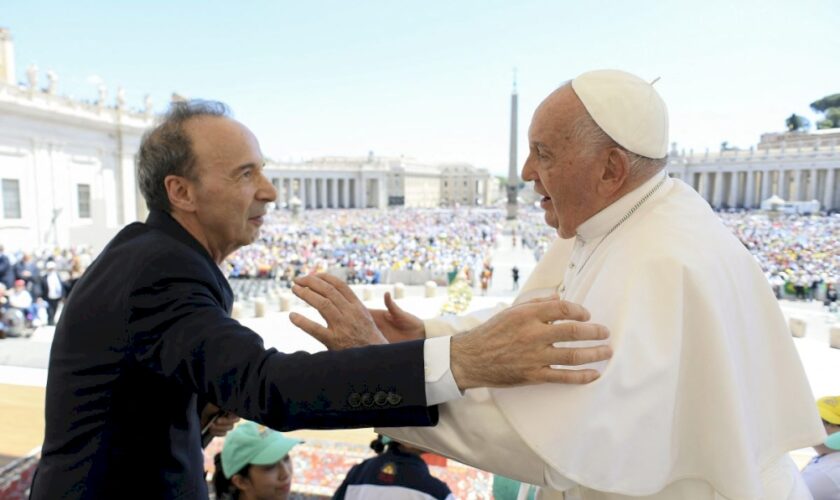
180	193
615	173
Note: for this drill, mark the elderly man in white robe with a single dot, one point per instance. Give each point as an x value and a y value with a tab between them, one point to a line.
705	394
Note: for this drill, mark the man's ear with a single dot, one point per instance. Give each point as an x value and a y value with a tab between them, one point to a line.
615	173
181	192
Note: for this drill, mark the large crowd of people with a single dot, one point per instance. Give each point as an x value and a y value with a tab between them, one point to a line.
367	244
800	255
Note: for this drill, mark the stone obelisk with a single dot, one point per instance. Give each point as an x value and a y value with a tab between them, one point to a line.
513	167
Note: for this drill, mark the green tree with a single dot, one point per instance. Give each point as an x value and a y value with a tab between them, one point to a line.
829	101
796	122
830	106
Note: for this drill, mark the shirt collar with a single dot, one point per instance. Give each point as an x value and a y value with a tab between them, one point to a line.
603	221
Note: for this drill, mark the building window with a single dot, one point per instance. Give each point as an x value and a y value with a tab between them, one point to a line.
11	198
83	192
445	183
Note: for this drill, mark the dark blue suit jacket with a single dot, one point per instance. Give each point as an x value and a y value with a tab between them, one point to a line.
146	336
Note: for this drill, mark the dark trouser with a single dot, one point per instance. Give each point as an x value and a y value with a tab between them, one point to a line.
52	307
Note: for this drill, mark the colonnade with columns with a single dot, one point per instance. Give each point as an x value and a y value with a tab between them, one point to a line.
727	181
329	191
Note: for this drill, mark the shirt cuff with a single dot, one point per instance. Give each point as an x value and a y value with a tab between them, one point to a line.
440	384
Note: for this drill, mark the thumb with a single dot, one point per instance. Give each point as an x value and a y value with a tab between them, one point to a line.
393	309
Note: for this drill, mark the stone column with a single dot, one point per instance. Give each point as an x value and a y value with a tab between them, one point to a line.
749	194
828	193
310	192
322	185
281	196
717	196
812	184
334	192
784	184
346	192
702	185
362	190
797	192
734	184
765	185
301	192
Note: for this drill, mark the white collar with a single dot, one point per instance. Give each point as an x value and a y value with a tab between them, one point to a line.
600	223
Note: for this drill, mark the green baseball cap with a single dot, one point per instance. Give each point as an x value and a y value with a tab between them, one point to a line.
833	441
250	443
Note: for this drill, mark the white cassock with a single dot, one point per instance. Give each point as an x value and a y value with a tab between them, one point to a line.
704	395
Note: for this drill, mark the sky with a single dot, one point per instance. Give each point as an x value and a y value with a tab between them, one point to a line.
432	80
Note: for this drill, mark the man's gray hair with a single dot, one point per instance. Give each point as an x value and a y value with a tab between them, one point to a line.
593	138
167	150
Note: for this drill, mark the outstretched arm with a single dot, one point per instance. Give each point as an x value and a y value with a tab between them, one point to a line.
515	347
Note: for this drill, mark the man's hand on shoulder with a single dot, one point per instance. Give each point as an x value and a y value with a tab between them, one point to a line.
516	347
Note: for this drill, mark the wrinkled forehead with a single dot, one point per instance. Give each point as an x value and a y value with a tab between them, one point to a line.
557	111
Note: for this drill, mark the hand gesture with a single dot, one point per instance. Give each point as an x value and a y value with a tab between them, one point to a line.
396	324
349	323
516	347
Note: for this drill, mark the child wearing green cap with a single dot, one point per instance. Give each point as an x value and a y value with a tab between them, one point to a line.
254	464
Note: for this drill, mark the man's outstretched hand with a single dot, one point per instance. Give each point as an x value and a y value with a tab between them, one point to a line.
349	323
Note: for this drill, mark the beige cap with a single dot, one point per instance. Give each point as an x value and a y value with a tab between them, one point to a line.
627	108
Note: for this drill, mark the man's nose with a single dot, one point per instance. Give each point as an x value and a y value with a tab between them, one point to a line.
527	172
267	191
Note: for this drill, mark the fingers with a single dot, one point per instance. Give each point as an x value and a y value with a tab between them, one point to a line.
328	308
567	331
556	309
574	356
555	376
325	288
317	331
340	286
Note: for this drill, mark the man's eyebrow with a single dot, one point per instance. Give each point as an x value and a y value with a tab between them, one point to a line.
247	166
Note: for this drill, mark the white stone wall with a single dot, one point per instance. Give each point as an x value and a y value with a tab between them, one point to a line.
51	145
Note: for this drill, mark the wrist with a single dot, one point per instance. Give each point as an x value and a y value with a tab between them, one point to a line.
460	355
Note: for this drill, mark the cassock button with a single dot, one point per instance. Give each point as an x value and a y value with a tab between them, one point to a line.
380	398
367	399
571	265
394	399
354	400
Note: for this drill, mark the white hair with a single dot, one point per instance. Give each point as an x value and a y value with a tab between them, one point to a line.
593	138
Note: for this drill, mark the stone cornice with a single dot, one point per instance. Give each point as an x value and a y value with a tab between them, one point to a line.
61	109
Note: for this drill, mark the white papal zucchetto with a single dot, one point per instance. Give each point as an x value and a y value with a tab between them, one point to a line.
627	108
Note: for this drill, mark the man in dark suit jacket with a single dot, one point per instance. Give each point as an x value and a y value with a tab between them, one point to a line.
135	359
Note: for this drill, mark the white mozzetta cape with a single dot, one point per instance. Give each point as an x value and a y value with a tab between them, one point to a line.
704	395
